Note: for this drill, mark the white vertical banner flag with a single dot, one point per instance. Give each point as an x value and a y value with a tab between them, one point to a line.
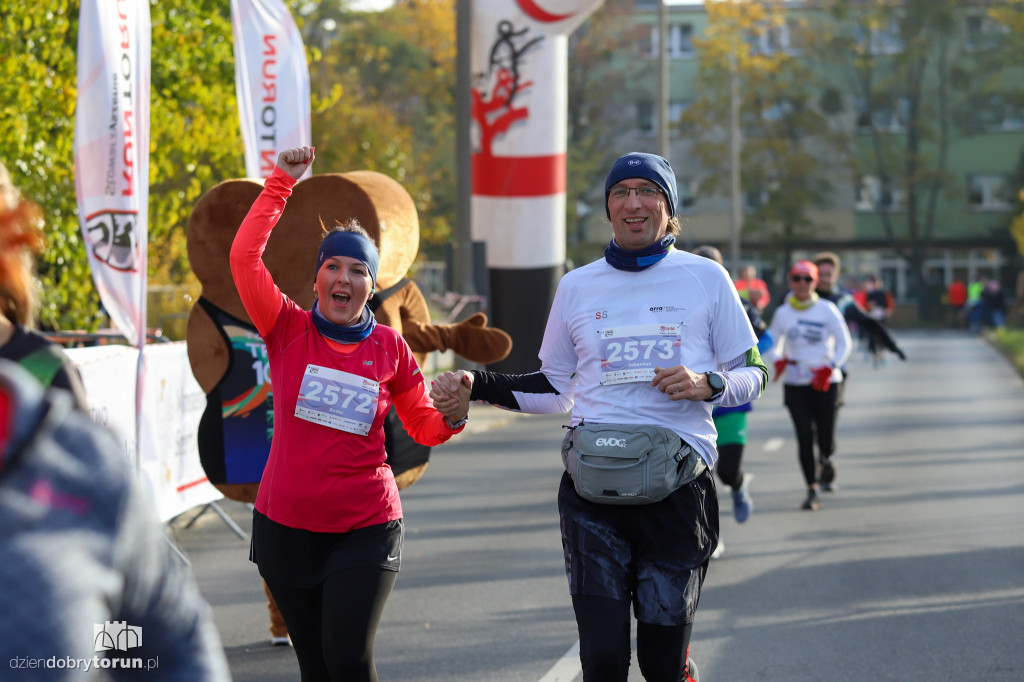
112	154
271	82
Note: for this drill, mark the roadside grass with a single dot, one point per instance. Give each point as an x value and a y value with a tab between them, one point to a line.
1010	342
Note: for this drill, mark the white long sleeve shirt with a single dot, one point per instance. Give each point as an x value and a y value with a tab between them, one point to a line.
813	337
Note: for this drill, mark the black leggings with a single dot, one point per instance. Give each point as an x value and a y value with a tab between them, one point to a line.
730	459
813	414
604	643
333	625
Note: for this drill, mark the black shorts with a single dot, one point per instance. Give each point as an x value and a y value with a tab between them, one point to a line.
653	555
299	558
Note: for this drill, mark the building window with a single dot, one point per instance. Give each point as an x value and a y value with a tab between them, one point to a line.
877	195
680	41
776	39
884	117
755	199
1000	113
688	187
881	39
989	192
647	119
676	112
982	32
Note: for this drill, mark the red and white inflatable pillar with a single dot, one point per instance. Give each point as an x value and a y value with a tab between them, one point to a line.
519	63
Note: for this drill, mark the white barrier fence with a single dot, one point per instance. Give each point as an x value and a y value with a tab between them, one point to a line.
172	404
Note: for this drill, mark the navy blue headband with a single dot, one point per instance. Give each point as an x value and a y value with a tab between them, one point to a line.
647	166
351	244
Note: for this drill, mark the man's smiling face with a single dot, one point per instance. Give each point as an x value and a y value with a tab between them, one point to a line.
638	221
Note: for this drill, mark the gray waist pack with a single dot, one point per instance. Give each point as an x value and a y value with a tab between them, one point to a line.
628	463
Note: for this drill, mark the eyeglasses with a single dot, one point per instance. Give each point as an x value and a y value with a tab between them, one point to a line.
641	192
801	278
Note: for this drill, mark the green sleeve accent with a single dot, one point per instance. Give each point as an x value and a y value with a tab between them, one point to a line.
754	360
43	364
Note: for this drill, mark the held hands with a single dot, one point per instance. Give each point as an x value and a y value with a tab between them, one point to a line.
295	161
780	367
680	383
450	392
821	379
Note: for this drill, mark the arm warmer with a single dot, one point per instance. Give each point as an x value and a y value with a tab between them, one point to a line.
531	393
745	378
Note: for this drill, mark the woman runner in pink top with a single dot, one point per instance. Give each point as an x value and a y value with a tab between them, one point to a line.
327	528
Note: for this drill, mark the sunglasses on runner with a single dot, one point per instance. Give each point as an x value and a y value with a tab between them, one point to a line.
801	278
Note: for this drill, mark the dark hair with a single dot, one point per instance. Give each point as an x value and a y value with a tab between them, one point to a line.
827	257
709	252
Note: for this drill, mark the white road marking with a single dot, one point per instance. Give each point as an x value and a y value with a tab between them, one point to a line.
773	444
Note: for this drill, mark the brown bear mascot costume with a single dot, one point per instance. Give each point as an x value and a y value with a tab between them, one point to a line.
228	357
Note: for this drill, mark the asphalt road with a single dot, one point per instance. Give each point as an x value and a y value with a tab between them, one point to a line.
913	569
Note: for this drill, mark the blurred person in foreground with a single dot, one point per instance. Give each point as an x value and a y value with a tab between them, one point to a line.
21	238
640	345
83	560
92	588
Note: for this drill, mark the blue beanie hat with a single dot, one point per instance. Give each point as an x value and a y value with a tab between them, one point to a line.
351	244
647	166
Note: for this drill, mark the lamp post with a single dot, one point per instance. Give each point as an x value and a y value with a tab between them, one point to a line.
736	216
462	246
663	87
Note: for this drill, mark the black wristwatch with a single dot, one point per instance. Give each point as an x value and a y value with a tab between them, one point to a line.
717	383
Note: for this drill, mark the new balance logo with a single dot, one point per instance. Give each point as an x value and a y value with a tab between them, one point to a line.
116	635
610	442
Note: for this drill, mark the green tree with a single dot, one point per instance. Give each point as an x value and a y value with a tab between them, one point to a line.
193	136
384	90
789	140
37	106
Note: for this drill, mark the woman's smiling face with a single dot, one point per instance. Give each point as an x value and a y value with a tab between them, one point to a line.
343	286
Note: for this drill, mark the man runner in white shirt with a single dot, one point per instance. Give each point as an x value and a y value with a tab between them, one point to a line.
646	336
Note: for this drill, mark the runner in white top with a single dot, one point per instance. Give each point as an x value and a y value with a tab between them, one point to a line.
647	335
609	330
812	343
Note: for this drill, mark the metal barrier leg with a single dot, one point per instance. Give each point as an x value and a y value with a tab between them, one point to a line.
178	552
228	521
